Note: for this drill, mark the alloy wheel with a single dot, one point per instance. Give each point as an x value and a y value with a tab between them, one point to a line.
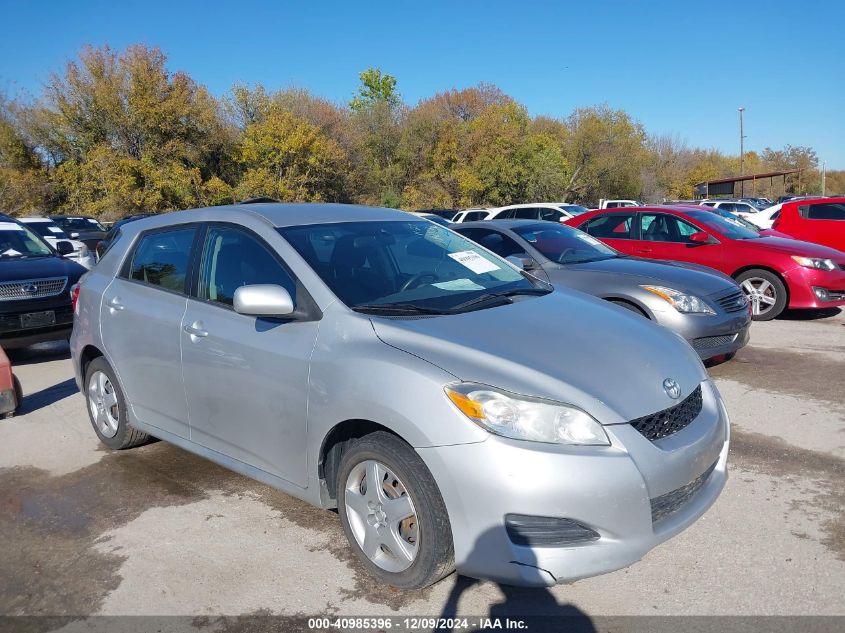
761	294
102	401
382	516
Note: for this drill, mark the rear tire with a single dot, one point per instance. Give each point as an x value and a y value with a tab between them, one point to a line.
765	291
410	540
107	407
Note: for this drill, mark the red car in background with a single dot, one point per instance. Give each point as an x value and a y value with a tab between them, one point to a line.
775	273
819	220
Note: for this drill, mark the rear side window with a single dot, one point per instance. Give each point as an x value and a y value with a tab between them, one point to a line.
824	211
161	258
615	226
525	213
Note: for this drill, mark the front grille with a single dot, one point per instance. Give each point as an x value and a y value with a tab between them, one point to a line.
665	423
733	302
32	288
534	531
671	502
709	342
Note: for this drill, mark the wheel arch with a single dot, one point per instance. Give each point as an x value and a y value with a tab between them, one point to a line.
88	354
334	443
630	302
768	269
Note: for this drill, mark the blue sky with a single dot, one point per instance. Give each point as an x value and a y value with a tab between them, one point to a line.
679	68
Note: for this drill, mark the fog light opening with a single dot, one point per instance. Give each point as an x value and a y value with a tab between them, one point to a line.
821	294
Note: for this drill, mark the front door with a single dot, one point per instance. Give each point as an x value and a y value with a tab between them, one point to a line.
140	320
665	236
246	377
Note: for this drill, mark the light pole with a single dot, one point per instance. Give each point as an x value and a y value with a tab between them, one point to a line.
824	173
741	154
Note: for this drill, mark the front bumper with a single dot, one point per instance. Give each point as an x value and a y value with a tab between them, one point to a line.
607	489
709	335
801	282
13	335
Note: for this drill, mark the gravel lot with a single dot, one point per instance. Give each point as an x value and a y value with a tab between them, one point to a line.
156	530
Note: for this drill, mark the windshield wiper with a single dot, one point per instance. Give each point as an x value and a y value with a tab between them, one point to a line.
397	308
498	297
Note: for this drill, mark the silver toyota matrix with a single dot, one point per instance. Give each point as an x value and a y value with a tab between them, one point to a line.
457	412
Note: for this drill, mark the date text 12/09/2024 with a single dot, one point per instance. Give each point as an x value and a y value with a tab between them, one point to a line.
415	624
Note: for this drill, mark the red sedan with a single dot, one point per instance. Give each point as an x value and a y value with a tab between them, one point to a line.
774	272
821	221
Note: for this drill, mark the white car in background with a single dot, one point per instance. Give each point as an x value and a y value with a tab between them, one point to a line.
52	233
737	207
766	217
551	211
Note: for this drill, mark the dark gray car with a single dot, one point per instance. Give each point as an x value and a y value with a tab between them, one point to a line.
705	307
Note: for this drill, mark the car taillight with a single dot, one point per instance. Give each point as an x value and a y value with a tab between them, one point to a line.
74	296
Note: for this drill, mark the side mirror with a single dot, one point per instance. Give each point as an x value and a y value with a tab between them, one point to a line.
522	261
266	300
64	247
700	238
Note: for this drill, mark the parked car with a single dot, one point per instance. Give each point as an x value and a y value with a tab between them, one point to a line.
11	394
471	215
52	233
746	222
456	411
616	204
766	218
737	207
551	211
707	308
819	220
760	203
35	284
84	228
437	219
775	273
114	232
446	214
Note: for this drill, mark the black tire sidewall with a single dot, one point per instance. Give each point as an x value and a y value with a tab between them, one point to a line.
780	289
120	439
435	555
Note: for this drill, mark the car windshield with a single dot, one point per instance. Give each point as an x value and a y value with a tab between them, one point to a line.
80	224
575	209
404	267
18	241
563	244
47	229
727	227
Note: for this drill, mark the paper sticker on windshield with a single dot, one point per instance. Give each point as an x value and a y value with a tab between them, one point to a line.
54	229
475	262
458	285
10	226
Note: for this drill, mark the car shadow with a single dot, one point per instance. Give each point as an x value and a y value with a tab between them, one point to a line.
40	353
48	396
808	315
537	607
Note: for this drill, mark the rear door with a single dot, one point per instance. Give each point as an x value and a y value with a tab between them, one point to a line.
616	229
140	319
246	377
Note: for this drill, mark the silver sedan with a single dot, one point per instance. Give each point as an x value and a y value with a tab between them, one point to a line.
704	306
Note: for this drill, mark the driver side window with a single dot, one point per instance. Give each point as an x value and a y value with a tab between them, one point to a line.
657	227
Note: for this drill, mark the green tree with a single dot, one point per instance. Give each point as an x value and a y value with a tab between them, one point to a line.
375	88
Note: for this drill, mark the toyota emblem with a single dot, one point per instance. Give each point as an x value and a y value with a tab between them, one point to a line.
672	388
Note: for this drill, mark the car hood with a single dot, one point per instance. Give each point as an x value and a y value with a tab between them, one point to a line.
631	270
795	247
39	268
565	346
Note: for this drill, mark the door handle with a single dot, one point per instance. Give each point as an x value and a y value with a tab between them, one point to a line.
195	329
115	305
643	250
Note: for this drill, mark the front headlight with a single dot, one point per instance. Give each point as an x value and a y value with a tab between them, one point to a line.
525	418
814	262
687	304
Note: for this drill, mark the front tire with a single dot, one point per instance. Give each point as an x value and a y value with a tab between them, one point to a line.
765	291
107	408
392	512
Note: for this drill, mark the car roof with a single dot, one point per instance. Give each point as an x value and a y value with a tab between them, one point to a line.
35	218
505	224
